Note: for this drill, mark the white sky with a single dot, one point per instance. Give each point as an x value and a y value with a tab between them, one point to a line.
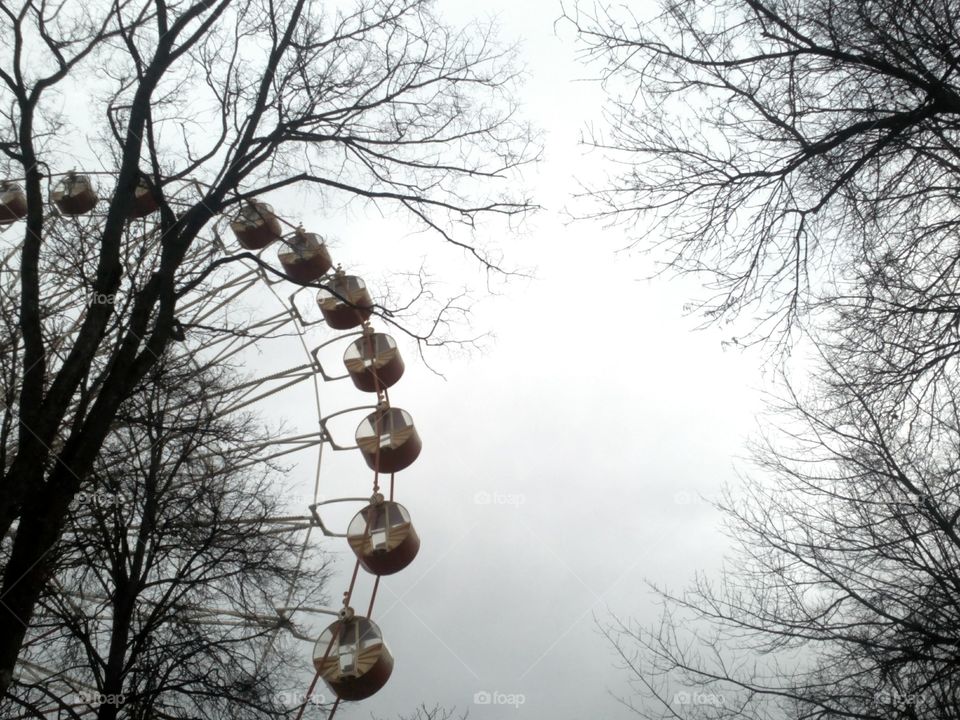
592	424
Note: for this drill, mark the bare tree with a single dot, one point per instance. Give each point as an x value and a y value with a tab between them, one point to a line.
205	105
842	598
787	150
167	590
803	155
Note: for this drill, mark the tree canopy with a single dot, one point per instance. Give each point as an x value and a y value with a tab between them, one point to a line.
199	108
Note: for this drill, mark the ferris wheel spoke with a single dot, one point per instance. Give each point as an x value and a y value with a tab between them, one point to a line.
232	303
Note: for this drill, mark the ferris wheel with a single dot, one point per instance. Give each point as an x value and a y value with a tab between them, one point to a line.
350	655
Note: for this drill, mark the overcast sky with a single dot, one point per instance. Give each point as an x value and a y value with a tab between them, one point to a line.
563	465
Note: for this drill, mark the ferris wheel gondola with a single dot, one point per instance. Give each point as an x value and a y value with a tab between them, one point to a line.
382	537
74	194
13	203
373	362
305	258
143	201
256	226
352	657
346	302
